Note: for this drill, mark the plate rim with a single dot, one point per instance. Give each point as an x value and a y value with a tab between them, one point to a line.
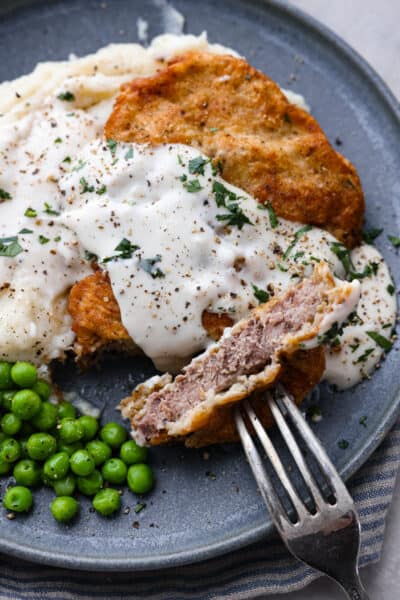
254	534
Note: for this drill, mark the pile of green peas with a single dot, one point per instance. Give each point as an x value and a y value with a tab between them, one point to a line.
42	443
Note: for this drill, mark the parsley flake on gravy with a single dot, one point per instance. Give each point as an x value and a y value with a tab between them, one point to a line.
112	145
229	200
344	256
192	186
261	295
380	340
196	165
150	266
128	154
43	239
48	209
125	249
4	195
66	96
297	236
30	212
85	186
9	247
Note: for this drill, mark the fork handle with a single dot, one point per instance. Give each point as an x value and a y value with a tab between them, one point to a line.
354	588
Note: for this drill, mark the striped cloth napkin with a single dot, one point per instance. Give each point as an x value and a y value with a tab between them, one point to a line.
254	572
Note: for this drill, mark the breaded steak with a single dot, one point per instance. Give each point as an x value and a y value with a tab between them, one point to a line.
236	115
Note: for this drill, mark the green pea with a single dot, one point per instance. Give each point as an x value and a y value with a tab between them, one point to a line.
42	388
70	431
18	499
90	426
132	454
66	486
66	410
46	417
99	451
57	466
5	375
10	424
46	480
114	471
64	508
24	374
7	399
140	478
41	445
107	501
25	404
10	450
5	467
69	448
27	472
90	485
81	463
113	434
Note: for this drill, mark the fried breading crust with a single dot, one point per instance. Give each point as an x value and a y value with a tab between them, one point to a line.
235	114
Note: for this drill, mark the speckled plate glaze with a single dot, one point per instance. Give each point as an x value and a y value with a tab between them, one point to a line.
201	508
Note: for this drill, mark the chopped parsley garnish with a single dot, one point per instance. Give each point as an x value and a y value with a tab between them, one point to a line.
380	340
261	295
25	230
67	159
90	256
228	199
85	186
297	236
395	240
150	266
112	145
139	506
273	219
343	255
222	194
66	96
371	234
128	154
49	209
235	216
192	186
364	356
79	166
196	165
214	129
10	247
331	336
180	161
125	249
353	319
43	239
30	212
58	238
58	140
354	347
390	289
4	195
101	190
363	420
343	444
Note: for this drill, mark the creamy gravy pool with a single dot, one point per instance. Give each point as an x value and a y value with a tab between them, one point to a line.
157	221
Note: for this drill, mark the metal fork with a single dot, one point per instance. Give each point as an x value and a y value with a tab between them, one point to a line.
326	536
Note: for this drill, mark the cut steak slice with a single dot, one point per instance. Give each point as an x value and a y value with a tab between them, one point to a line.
248	357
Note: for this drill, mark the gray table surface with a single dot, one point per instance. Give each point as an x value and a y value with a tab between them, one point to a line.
373	29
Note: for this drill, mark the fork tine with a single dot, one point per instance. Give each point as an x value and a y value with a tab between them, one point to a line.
295	452
314	445
275	460
264	484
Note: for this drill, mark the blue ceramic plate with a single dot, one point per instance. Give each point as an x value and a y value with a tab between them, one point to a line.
201	508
